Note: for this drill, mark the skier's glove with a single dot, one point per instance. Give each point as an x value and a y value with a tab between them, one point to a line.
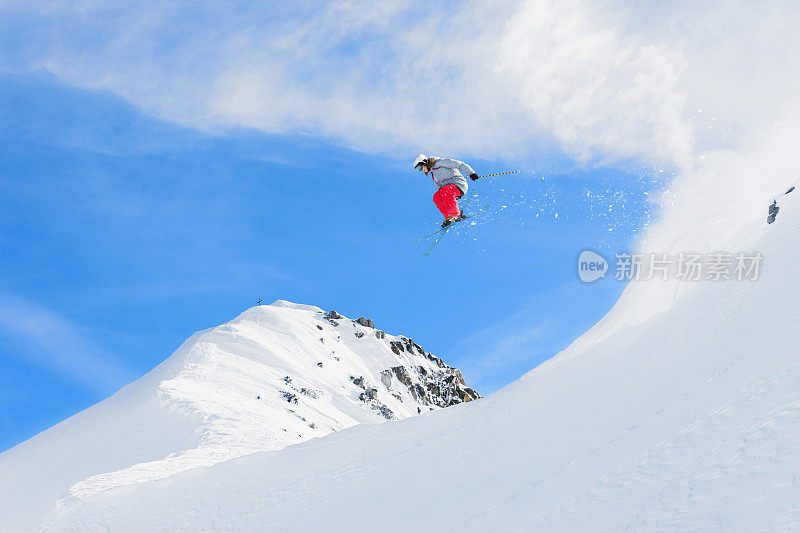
473	176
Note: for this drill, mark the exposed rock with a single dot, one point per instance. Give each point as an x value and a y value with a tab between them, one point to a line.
369	394
370	397
466	394
409	344
397	347
441	388
436	360
387	413
310	392
402	375
386	378
366	322
418	392
773	212
421	379
289	396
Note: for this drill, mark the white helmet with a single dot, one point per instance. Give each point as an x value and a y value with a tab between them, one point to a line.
420	160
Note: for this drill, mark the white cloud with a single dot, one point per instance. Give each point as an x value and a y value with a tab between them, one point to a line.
506	78
602	80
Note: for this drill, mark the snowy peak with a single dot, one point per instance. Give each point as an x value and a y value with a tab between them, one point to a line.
291	305
285	373
274	376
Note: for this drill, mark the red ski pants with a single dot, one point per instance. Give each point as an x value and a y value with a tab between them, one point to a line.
446	200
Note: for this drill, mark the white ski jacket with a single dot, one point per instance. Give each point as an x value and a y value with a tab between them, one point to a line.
445	171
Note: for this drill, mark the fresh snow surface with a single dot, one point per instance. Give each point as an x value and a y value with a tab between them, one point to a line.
276	375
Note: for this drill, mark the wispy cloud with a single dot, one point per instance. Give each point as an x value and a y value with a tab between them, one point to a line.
488	78
602	80
54	343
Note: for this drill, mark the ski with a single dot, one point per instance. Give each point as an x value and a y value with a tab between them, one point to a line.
441	232
431	234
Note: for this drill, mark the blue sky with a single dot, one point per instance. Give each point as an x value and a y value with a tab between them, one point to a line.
121	235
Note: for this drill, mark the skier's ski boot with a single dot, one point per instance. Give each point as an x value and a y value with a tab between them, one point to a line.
450	220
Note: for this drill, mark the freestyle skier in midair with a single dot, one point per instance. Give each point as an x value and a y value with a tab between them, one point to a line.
448	175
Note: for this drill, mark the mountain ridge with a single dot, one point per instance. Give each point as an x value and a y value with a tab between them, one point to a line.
274	376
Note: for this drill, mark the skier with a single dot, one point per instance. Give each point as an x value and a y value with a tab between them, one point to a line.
447	175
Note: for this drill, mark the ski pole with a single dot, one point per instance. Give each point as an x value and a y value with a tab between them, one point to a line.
500	174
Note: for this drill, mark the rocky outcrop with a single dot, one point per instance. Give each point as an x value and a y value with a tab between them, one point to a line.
417	380
366	322
332	316
442	388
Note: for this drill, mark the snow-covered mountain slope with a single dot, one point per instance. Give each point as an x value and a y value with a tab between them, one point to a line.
275	376
688	420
